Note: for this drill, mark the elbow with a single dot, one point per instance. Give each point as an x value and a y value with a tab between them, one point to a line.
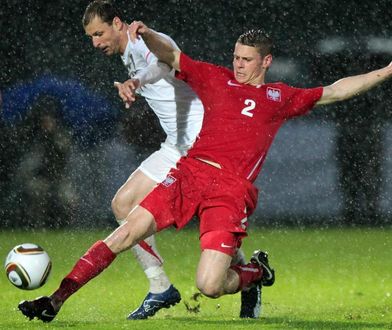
332	95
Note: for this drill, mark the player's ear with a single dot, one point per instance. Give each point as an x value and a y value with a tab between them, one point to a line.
117	23
267	61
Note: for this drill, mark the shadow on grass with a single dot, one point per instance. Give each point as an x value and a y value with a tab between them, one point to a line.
200	323
314	324
36	324
285	323
56	324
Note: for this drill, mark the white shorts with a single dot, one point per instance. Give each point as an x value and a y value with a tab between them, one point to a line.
159	163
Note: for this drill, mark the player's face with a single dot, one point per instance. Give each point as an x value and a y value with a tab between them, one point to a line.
104	36
248	65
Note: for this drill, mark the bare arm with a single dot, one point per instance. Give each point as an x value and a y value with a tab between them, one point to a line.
348	87
161	47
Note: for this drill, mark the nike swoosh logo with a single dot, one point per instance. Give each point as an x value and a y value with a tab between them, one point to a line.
45	313
226	246
230	83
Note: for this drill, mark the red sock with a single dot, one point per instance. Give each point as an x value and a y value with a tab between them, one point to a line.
248	274
94	261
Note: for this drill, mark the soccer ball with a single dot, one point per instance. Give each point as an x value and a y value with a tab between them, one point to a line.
27	266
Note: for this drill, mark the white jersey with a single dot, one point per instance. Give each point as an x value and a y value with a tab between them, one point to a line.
179	110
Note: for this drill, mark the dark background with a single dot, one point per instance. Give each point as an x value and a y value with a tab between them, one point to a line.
322	40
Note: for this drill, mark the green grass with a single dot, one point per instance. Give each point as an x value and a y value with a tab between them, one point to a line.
326	279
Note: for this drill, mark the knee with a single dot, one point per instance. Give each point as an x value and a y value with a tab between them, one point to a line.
122	204
210	289
115	204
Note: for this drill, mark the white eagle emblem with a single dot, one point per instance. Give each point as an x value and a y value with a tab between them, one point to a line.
273	94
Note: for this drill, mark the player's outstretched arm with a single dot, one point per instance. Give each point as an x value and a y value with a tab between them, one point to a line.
161	47
348	87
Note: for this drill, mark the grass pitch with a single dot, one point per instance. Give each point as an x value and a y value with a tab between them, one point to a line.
325	279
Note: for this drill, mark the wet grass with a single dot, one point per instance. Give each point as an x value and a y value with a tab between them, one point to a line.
326	279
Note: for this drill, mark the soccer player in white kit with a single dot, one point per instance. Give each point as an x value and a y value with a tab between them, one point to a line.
180	114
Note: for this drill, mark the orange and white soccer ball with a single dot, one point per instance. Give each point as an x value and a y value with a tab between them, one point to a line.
28	266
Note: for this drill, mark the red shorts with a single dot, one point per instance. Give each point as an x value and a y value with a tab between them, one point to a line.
220	199
222	241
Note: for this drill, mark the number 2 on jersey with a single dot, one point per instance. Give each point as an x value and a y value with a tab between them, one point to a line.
250	105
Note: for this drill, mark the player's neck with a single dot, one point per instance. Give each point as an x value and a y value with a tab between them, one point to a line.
123	38
257	81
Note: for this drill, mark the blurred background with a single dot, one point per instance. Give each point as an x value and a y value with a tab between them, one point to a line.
67	143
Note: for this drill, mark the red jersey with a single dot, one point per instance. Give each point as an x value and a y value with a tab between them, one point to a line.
240	120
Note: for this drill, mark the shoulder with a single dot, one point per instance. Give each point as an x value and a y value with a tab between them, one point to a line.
278	89
280	85
290	90
139	45
186	59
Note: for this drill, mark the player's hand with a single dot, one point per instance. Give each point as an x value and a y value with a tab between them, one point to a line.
126	91
135	29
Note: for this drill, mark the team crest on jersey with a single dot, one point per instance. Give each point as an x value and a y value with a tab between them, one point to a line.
169	181
273	94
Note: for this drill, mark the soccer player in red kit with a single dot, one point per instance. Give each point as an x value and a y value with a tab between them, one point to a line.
215	180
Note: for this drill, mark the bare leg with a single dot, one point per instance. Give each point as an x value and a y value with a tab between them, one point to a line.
239	258
214	277
127	197
131	193
140	224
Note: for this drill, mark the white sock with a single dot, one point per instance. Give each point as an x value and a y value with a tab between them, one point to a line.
152	263
159	282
